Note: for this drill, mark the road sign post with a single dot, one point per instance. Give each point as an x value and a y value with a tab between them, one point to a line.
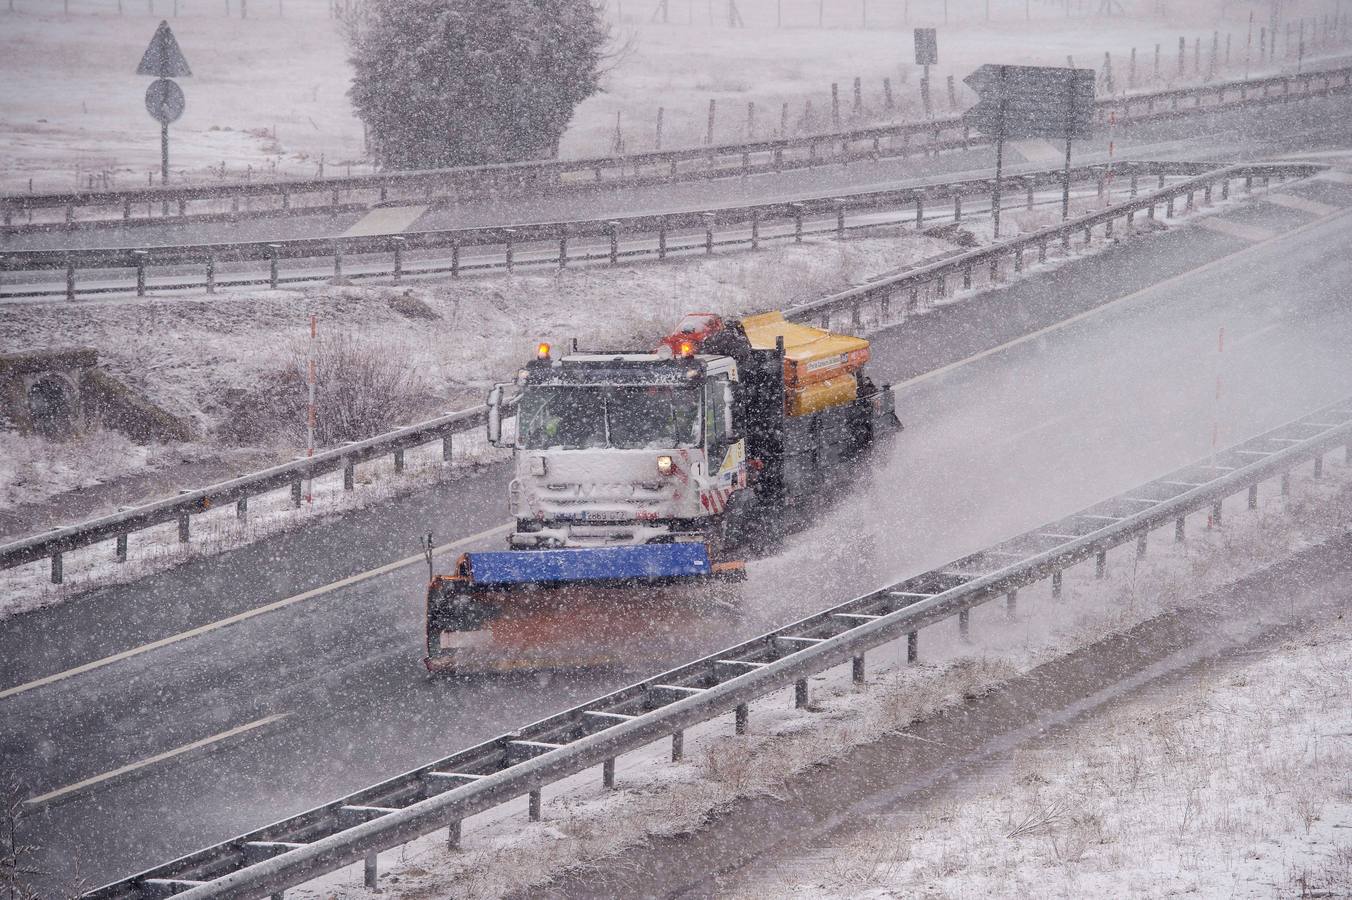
164	98
1031	101
926	55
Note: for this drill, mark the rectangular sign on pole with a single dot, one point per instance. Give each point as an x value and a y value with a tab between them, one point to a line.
926	47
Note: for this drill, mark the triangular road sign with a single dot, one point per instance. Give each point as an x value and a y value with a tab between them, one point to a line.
162	58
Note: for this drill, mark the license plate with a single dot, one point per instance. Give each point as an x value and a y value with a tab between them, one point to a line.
605	516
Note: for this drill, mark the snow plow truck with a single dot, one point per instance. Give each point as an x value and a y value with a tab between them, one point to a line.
638	474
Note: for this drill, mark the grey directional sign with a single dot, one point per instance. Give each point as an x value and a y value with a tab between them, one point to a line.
1032	101
926	47
164	101
163	58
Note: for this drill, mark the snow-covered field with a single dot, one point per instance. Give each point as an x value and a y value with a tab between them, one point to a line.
1240	786
268	95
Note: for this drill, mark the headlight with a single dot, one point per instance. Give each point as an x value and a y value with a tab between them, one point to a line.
664	465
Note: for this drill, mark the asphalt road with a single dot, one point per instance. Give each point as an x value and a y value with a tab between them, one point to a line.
1011	419
1233	135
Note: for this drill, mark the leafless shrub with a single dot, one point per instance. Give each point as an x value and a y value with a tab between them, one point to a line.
1040	818
361	389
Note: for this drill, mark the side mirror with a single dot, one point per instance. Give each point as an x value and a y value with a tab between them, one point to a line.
729	419
495	416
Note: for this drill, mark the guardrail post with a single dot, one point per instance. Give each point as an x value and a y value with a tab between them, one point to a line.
1135	184
840	219
398	462
741	718
533	805
613	229
1248	184
1169	209
242	508
857	669
914	303
1056	585
371	870
508	234
337	260
1225	188
800	696
1088	235
677	746
1042	251
662	238
797	222
779	160
957	208
120	554
965	625
855	313
70	213
1319	466
398	257
755	229
1030	183
941	285
1178	530
912	647
1253	496
1131	219
1108	229
1191	201
183	521
708	232
608	774
182	207
70	279
1101	564
349	473
967	277
1141	543
1012	603
995	269
126	208
446	448
334	200
919	213
1018	259
273	266
58	569
295	494
1286	484
140	256
1206	195
1215	521
453	834
211	273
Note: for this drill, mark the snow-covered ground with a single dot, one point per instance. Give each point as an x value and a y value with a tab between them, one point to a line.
1246	777
268	95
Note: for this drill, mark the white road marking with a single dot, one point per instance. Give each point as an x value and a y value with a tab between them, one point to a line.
246	615
386	220
1303	204
1037	150
1255	335
1236	229
70	790
1099	310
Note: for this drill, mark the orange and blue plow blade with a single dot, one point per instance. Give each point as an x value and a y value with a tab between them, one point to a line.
542	609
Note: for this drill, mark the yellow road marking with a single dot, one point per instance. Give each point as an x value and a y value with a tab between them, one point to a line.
244	616
1098	310
79	786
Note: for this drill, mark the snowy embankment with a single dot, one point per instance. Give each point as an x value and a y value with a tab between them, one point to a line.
1242	784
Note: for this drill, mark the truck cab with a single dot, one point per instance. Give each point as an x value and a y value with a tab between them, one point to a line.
624	448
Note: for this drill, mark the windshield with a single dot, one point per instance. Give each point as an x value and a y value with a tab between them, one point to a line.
626	418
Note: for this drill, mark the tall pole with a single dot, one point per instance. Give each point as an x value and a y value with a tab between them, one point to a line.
999	154
164	151
310	410
1070	122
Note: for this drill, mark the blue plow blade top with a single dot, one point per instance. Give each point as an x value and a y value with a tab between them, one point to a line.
645	561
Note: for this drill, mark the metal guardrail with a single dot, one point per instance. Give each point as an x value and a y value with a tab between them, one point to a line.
55	543
662	167
443	793
391	253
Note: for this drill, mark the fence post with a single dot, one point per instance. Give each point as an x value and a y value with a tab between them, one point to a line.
912	647
398	242
857	669
273	265
797	222
242	508
58	568
741	718
121	553
613	229
708	232
800	695
140	256
371	871
349	473
677	746
840	219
